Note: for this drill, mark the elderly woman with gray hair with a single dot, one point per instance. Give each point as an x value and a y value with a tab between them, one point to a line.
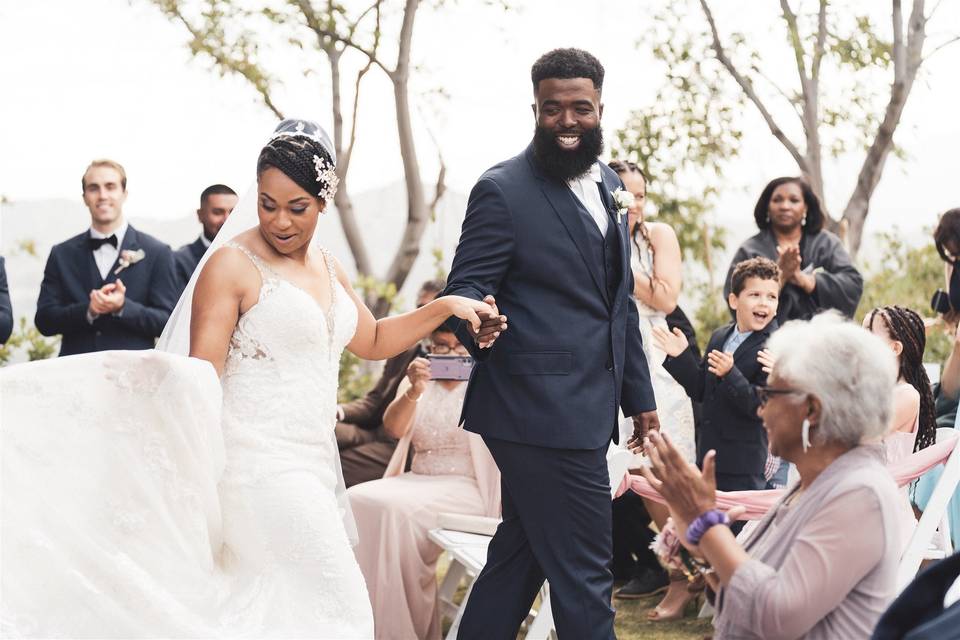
822	562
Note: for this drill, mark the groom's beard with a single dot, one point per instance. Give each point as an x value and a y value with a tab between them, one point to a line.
560	164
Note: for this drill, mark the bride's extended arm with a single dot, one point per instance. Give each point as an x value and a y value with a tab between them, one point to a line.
386	337
217	300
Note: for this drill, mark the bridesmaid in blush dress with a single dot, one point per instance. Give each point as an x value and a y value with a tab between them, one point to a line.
914	423
655	260
451	471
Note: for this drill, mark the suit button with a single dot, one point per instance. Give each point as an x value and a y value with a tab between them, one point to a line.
98	334
609	366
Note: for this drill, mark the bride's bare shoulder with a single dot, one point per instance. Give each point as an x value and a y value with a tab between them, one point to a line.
229	267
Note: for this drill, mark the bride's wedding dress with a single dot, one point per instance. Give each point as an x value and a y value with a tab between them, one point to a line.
136	504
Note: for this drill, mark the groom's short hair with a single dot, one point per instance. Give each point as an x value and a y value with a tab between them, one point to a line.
567	63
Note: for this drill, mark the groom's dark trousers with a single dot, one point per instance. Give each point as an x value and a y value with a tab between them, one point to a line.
545	396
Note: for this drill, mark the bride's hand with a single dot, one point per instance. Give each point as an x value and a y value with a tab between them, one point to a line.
478	314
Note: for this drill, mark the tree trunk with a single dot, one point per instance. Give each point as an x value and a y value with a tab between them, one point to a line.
417	210
342	197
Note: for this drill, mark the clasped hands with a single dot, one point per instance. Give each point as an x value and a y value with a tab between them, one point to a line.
107	299
490	326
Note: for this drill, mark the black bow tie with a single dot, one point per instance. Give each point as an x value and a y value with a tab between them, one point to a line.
96	243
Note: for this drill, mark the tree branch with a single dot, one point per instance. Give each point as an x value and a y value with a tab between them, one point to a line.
899	51
323	32
794	32
747	87
941	46
216	50
820	46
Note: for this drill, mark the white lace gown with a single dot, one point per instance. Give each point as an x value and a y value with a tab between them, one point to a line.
673	405
135	504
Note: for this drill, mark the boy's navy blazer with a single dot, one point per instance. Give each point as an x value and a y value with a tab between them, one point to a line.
71	273
730	423
572	353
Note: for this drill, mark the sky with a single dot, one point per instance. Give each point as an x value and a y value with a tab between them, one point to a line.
113	78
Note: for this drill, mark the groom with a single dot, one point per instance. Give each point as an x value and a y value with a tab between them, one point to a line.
544	236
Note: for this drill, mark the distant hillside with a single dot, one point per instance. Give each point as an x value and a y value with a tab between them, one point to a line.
382	213
42	223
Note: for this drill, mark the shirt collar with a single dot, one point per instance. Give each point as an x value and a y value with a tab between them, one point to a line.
206	243
119	232
593	174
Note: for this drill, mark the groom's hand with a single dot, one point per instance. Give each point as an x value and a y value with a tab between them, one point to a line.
643	423
491	324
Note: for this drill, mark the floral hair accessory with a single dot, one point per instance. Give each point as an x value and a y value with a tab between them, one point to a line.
128	257
326	176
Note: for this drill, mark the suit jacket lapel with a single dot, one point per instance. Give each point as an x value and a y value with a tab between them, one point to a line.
129	244
93	280
606	195
560	198
198	248
749	346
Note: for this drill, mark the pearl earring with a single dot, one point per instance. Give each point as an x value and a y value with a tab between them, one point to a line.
803	221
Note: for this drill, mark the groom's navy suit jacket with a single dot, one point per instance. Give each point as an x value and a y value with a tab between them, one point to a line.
573	351
71	273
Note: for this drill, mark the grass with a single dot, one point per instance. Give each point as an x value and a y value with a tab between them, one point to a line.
631	622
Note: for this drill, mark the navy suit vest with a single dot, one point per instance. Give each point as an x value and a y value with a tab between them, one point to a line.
605	250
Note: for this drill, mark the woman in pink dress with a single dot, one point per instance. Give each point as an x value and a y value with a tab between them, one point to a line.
451	472
914	424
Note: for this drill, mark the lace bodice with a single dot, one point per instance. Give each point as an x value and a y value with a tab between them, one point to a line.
283	362
440	446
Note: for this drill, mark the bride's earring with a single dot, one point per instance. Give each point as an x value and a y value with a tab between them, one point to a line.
805	434
803	221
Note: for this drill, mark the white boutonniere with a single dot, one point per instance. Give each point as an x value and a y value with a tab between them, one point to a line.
128	257
624	200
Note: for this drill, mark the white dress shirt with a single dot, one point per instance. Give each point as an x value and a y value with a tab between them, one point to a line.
586	190
106	255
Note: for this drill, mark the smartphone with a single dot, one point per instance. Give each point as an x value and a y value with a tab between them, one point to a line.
450	367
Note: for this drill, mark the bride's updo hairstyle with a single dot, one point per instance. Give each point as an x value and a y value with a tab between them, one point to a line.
302	151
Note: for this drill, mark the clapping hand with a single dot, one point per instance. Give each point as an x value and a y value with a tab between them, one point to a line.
671	343
491	324
108	299
719	363
765	358
789	261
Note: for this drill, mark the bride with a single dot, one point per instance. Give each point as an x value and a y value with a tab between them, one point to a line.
137	503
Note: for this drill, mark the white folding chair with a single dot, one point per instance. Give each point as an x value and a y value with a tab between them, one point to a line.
935	514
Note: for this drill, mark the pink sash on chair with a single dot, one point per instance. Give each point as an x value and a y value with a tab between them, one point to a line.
758	503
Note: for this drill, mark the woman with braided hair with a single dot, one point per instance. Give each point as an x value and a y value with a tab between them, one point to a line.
146	494
655	260
913	426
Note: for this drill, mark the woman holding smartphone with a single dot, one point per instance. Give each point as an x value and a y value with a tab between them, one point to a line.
451	471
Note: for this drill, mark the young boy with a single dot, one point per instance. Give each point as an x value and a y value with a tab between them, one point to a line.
724	380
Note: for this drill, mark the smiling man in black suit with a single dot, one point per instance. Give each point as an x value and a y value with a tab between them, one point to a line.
82	295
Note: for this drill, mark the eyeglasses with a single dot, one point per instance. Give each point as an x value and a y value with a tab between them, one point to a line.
764	393
444	349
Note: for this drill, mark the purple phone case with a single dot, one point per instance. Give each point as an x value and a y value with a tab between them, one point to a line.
449	367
